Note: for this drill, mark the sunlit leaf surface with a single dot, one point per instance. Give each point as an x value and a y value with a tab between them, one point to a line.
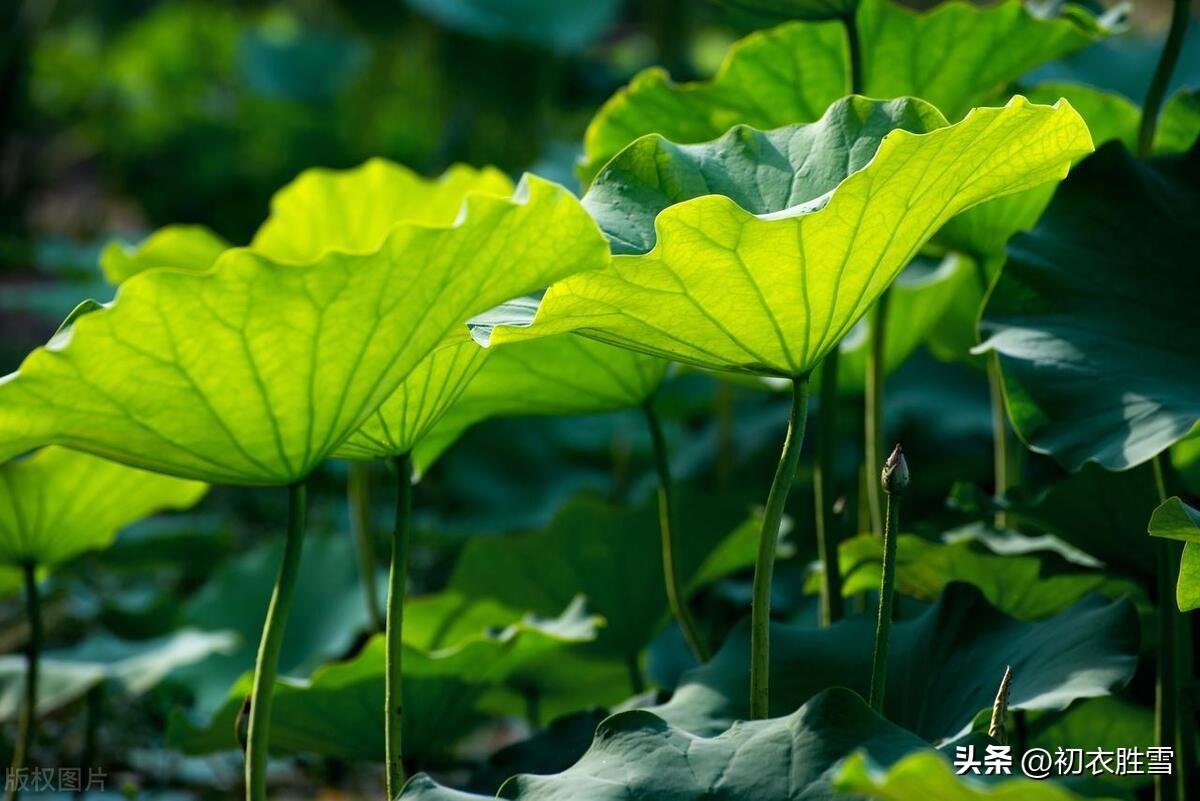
1175	520
727	290
58	503
253	372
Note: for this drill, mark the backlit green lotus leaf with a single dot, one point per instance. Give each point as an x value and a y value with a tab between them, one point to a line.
936	668
986	229
956	56
179	247
727	290
638	755
404	419
58	503
339	711
556	376
1028	583
586	549
354	210
764	172
1175	520
253	372
1094	360
930	775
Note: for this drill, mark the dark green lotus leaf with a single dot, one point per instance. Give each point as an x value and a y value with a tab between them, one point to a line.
1101	513
564	25
724	289
1177	521
1093	360
764	172
135	667
254	371
178	247
930	775
327	615
59	503
944	665
638	755
610	554
985	230
1028	584
955	56
339	712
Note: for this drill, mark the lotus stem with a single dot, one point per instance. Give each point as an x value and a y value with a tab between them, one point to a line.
764	565
825	494
27	724
358	496
1162	78
1000	442
267	665
676	597
893	481
873	402
394	638
850	22
637	685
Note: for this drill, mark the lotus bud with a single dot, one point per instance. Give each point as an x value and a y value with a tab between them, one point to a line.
895	473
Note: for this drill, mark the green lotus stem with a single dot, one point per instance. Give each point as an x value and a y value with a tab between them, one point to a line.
764	565
676	598
358	495
267	666
893	481
394	639
1174	703
1000	441
825	494
1162	78
854	45
873	402
27	724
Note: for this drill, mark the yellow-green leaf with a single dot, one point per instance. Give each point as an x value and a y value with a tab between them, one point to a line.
726	290
180	247
58	503
956	55
255	371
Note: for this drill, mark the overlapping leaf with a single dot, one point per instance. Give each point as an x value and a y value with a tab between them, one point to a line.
638	755
339	712
1175	520
955	56
727	290
1095	361
67	674
253	372
178	247
58	503
944	666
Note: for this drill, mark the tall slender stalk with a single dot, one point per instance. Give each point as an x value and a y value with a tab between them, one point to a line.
1175	710
27	724
850	22
764	565
893	481
1162	78
267	666
358	496
825	493
873	402
676	598
394	640
1000	457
